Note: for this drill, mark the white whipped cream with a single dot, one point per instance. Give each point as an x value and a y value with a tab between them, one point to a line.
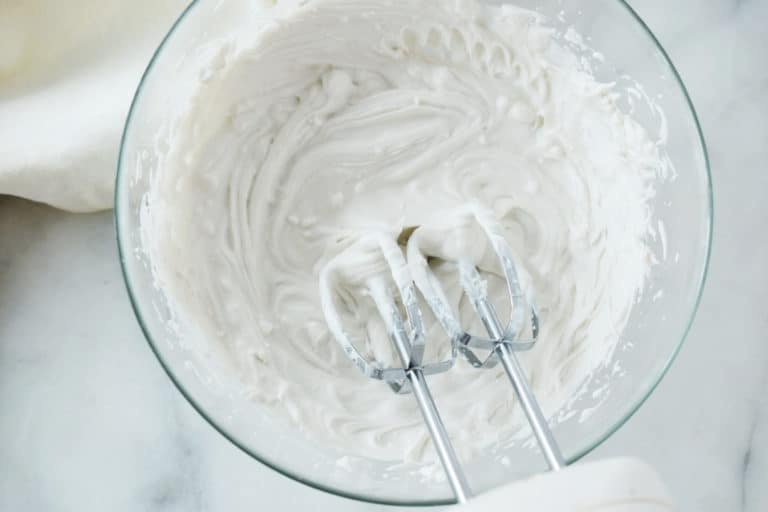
346	117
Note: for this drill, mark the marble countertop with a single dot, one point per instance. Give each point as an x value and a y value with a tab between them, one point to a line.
90	421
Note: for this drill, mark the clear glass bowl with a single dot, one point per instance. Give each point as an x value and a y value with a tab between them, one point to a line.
650	342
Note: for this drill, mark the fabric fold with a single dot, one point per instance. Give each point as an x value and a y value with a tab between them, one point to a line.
68	72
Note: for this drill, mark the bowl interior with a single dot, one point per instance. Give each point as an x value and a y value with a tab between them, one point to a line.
628	55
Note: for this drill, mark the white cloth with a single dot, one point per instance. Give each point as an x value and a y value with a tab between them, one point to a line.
610	485
68	71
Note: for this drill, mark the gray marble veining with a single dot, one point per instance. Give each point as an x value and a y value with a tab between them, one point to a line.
90	422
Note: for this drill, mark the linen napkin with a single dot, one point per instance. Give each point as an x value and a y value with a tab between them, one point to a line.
68	71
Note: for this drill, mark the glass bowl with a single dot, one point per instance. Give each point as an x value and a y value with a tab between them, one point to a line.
652	338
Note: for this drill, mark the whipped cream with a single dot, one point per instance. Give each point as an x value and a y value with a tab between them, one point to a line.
348	117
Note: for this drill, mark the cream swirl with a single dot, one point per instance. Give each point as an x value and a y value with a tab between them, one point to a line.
351	116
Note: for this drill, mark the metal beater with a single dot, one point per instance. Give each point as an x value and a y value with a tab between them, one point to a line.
409	342
503	341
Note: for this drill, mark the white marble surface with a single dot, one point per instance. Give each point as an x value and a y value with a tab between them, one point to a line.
90	422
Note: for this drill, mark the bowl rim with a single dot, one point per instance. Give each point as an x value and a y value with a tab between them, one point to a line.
589	446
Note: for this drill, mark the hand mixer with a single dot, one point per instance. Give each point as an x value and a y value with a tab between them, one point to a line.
409	342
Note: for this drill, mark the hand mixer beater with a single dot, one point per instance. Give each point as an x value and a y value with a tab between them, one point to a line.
409	340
